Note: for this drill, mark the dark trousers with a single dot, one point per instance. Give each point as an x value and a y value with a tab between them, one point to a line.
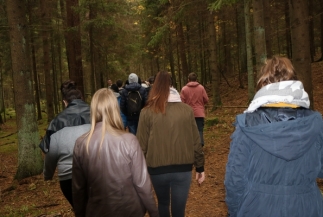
132	126
66	187
172	188
200	127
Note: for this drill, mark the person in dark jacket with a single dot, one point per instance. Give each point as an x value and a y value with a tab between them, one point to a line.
276	150
58	142
170	141
77	112
115	89
110	175
150	83
132	119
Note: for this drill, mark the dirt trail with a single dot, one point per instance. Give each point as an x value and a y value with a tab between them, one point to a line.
35	197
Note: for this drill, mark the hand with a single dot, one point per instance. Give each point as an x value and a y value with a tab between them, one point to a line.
200	177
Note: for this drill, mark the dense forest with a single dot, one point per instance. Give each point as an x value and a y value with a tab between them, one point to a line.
44	43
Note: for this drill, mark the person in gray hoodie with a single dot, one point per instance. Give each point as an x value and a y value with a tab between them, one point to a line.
60	155
276	152
60	137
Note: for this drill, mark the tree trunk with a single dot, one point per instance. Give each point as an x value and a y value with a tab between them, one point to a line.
54	74
267	21
171	58
259	33
46	27
180	78
94	81
189	52
201	49
288	30
226	66
73	44
182	51
2	108
311	29
29	155
251	76
213	66
321	25
241	32
301	44
34	66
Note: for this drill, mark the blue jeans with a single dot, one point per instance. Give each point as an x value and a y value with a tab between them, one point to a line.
133	125
172	188
200	126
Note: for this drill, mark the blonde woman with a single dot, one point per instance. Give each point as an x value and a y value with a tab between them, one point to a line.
110	175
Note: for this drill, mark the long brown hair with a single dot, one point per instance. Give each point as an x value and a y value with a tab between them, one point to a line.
275	70
159	93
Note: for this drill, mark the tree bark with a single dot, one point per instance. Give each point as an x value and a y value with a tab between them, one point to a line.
29	155
2	107
321	27
301	44
267	24
182	51
213	66
288	30
259	33
251	76
34	63
73	44
47	63
311	29
241	32
171	58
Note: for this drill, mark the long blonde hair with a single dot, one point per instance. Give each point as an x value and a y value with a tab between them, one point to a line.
105	109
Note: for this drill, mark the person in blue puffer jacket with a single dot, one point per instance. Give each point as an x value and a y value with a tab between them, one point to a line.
276	150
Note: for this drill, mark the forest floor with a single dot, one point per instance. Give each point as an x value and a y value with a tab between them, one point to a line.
35	197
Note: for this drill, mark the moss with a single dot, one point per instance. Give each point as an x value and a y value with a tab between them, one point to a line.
211	121
29	160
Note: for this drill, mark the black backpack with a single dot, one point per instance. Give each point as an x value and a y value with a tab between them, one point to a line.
134	102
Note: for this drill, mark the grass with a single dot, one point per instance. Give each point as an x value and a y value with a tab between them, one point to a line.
24	210
8	133
211	121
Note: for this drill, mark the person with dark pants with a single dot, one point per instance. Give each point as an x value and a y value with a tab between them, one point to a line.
179	185
127	107
170	141
195	96
61	134
200	126
67	190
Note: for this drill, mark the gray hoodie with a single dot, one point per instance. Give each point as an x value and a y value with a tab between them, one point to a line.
61	152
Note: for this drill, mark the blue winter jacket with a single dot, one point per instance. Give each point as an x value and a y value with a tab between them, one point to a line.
274	160
124	95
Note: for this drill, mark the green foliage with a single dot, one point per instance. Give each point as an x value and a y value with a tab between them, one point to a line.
159	36
211	121
24	210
